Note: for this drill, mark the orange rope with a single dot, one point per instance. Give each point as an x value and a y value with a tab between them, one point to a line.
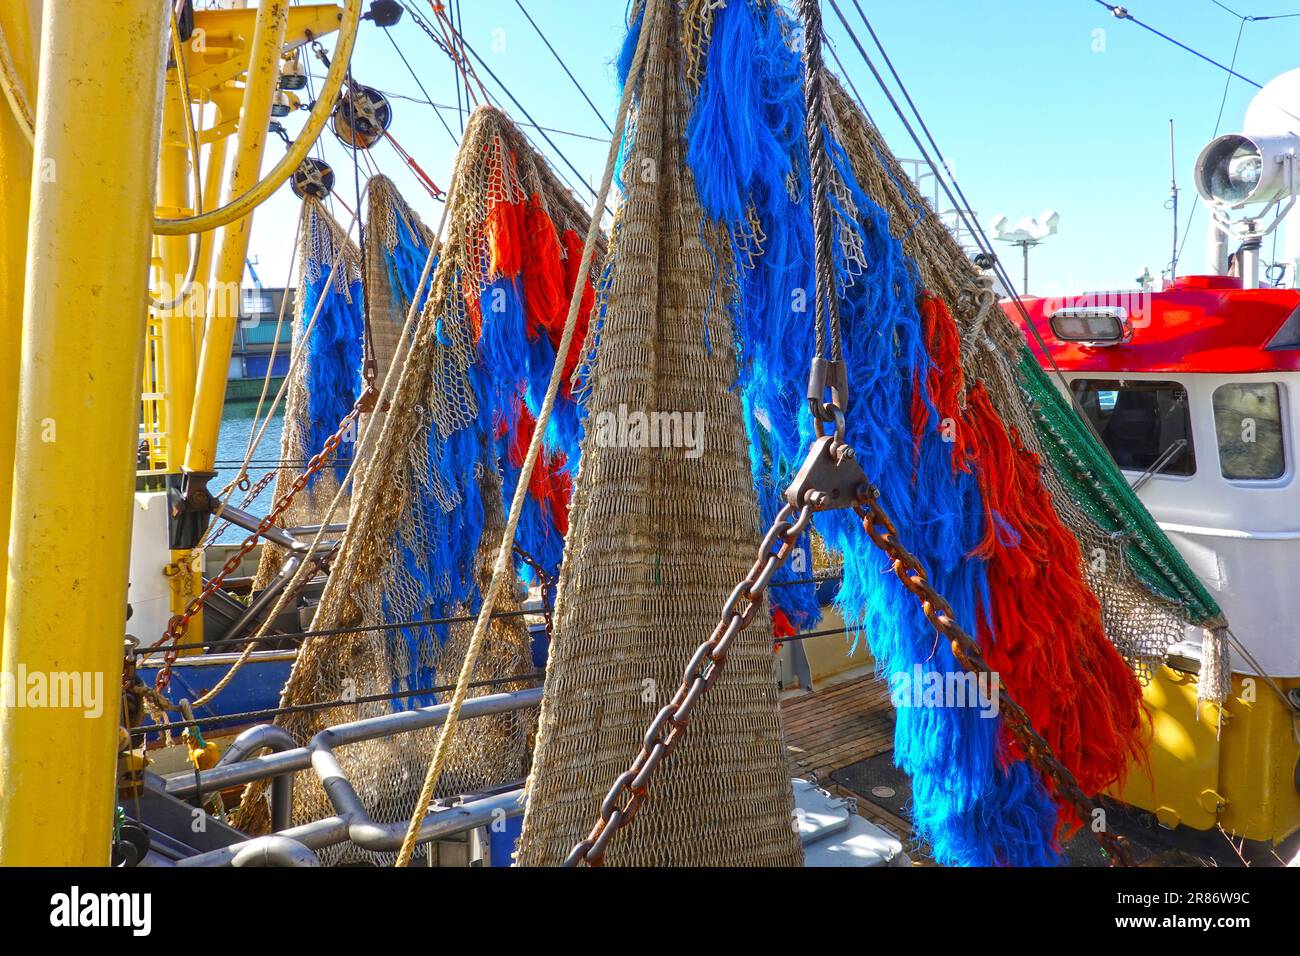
457	46
415	167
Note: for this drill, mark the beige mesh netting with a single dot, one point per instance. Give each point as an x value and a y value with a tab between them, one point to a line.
324	246
657	541
1138	622
386	212
372	584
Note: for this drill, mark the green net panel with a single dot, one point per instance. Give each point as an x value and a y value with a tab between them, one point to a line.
1094	481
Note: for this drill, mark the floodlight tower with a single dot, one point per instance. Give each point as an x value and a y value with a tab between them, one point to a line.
1255	168
1026	234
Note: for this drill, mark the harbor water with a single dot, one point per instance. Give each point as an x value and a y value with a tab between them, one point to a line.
240	424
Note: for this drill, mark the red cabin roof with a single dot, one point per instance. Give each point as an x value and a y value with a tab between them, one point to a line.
1199	324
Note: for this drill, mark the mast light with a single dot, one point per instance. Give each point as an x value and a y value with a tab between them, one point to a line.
1237	170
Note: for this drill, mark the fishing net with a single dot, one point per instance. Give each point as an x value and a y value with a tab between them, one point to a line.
324	378
397	244
1147	593
659	537
943	423
427	512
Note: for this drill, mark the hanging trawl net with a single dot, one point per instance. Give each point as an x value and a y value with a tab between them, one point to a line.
324	380
1147	591
428	512
1047	558
664	524
397	245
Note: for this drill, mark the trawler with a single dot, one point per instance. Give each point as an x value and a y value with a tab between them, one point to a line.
873	569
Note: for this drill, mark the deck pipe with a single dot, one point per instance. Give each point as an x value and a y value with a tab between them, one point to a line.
332	831
184	784
274	850
353	822
277	740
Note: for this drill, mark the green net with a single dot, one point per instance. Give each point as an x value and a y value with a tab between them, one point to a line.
1091	477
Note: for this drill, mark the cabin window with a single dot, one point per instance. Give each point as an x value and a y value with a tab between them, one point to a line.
1248	420
1144	425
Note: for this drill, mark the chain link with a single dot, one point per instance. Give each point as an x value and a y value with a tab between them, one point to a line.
666	731
668	728
879	527
180	623
253	490
544	583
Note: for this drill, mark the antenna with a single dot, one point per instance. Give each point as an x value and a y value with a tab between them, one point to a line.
1173	202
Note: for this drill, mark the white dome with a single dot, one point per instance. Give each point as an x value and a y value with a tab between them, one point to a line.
1276	108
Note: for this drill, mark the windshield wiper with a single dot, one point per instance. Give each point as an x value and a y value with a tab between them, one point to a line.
1160	464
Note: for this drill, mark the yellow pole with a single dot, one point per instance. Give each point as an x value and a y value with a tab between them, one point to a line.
174	189
223	300
20	22
175	178
214	175
84	308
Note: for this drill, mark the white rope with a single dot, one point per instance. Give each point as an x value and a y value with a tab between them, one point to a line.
502	568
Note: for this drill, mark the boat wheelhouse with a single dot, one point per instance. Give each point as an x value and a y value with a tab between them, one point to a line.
1195	391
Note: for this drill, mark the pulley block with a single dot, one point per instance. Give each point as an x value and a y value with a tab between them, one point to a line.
313	178
361	116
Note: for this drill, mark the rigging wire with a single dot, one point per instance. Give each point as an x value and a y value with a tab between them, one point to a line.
459	27
1249	19
962	208
520	106
839	64
257	716
520	123
599	115
455	43
415	76
233	642
442	45
1123	14
392	95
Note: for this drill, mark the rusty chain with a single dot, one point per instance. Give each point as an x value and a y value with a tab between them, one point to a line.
253	490
909	570
629	790
544	582
180	623
830	479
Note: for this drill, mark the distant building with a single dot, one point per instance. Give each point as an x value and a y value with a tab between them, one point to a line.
255	337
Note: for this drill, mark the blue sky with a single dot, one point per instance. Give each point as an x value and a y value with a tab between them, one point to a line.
1033	107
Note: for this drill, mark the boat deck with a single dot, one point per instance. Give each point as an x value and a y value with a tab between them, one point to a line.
843	722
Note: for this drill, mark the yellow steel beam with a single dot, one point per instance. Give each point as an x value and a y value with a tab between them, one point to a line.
239	206
232	249
225	104
20	22
219	51
98	118
174	199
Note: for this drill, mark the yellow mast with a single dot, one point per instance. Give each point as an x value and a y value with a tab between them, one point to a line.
20	23
223	313
232	62
99	112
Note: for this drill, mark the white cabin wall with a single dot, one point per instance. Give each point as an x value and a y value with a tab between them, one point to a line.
1241	538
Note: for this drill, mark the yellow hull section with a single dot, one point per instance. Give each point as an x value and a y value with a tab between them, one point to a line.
1234	767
